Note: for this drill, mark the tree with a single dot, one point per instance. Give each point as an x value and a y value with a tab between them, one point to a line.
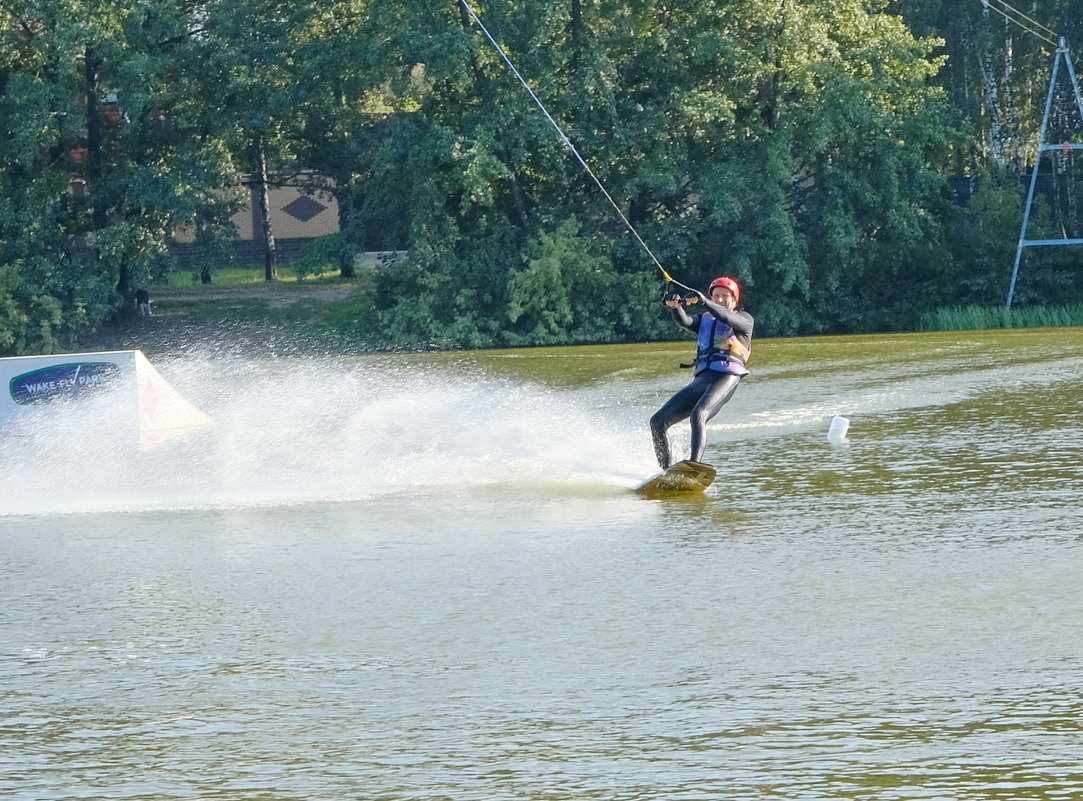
735	140
347	113
999	61
95	187
801	146
250	77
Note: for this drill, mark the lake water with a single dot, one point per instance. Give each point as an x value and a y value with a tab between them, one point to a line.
425	577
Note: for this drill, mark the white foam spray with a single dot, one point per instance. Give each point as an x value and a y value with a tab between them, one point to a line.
301	430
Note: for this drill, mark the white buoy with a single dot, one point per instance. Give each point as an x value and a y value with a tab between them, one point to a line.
837	432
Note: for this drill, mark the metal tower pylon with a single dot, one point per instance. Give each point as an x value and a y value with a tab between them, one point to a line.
1043	147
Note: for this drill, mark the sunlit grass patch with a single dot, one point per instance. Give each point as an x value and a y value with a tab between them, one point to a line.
247	276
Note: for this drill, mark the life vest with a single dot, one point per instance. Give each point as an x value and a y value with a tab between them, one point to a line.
718	348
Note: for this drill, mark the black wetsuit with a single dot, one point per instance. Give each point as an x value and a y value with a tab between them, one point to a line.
708	392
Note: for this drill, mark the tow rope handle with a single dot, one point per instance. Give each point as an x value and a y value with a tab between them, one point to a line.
684	299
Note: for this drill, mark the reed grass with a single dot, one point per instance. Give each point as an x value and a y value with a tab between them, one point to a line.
975	318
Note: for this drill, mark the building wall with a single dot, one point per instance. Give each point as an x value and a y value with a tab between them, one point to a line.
297	216
294	214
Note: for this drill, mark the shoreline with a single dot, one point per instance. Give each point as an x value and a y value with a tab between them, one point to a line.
273	319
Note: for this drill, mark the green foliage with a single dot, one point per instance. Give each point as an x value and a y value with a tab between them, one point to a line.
797	153
983	239
94	174
802	148
324	254
568	293
45	304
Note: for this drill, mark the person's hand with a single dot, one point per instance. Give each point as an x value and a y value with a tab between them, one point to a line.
675	299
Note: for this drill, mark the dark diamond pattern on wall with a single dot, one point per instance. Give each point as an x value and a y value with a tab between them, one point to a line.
303	208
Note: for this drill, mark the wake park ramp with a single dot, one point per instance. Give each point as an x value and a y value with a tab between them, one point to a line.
117	389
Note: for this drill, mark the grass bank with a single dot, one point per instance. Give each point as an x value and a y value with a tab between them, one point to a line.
241	312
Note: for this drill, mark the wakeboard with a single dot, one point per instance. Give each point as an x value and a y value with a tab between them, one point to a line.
686	476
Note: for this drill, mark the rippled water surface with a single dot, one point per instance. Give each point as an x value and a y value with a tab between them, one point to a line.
425	577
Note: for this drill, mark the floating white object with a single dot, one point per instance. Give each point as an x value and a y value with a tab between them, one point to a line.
837	432
145	403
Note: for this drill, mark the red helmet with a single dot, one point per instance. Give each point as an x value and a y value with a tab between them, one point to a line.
728	283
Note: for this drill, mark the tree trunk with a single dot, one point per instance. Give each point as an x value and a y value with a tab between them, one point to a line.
1015	156
516	191
202	240
99	214
99	209
345	214
263	207
1060	125
575	24
501	155
1073	206
992	99
766	96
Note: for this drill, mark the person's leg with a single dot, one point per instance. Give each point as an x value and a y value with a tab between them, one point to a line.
710	403
673	411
